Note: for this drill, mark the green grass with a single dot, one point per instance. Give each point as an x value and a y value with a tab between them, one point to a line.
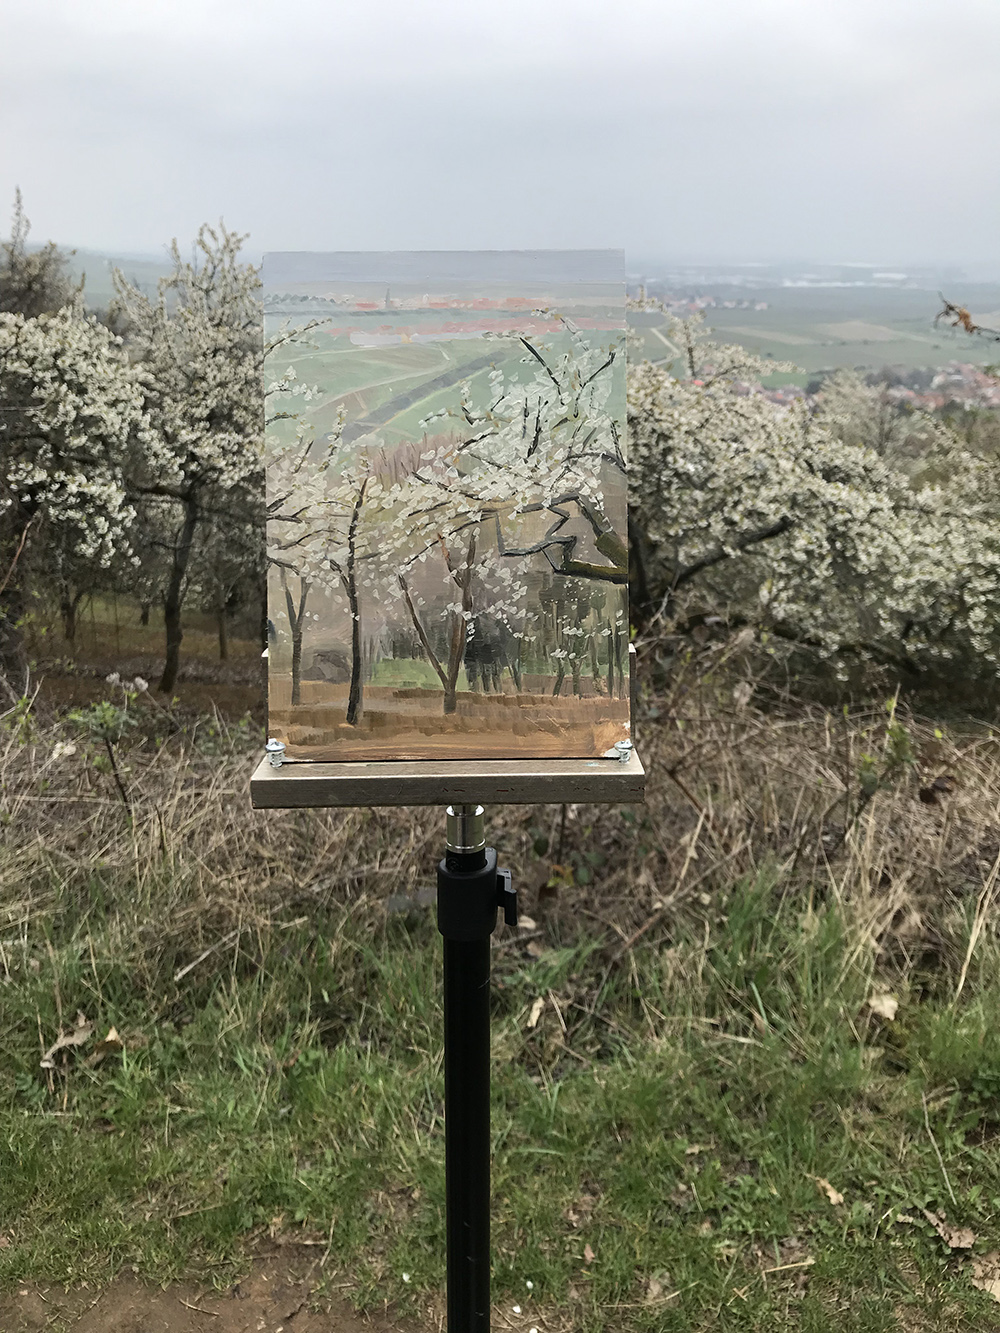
669	1113
410	673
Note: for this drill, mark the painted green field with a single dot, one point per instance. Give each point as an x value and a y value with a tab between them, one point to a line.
367	380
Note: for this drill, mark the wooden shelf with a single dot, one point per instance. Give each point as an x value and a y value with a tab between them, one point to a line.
297	785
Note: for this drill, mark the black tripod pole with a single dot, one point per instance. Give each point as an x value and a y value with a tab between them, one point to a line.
470	888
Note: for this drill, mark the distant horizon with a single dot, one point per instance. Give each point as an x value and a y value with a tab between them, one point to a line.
975	271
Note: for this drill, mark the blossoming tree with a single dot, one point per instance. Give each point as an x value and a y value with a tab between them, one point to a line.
198	352
71	418
783	517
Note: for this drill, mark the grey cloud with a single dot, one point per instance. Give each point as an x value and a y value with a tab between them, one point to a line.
761	129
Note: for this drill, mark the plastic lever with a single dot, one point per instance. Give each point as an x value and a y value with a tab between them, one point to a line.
507	897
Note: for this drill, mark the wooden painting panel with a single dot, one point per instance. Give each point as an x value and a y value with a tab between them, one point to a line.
447	537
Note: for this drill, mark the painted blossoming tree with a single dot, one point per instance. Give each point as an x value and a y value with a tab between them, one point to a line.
319	510
544	446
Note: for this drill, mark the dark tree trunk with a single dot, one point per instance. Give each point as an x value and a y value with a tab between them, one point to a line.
296	664
354	700
174	596
67	609
560	677
13	658
13	601
223	627
595	668
144	611
640	553
459	626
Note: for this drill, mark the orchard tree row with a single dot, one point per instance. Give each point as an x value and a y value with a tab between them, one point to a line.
131	460
130	441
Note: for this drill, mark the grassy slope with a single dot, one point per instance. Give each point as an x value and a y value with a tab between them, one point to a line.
672	1107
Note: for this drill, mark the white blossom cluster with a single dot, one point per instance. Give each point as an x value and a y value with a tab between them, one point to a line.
71	408
804	523
200	365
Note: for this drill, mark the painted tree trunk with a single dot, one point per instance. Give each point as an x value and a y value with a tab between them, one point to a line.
459	630
296	619
354	698
350	582
574	667
595	667
296	663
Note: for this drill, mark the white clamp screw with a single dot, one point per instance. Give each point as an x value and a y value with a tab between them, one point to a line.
624	749
275	752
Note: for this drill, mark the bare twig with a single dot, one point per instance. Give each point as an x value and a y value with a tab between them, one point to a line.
219	944
937	1150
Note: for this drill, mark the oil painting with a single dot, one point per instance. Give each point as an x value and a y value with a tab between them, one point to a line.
447	504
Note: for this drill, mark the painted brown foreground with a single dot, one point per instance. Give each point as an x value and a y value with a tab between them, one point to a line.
411	724
274	1298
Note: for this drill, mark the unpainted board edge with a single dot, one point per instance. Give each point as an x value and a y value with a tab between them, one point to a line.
315	785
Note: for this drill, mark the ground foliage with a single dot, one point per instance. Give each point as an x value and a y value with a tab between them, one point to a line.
744	1045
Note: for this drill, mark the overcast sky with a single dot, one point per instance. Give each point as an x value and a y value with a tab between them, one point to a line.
836	130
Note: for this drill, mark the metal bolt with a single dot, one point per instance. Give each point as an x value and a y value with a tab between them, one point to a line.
624	749
275	752
466	828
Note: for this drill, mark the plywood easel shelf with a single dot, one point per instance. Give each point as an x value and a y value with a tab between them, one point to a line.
449	782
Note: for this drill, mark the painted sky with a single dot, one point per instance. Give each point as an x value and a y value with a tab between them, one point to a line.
841	130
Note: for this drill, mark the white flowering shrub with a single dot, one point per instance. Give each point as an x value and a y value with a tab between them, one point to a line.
71	415
197	351
808	525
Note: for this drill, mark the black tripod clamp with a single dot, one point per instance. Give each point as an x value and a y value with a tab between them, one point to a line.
470	889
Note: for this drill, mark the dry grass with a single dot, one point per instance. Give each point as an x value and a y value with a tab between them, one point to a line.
732	789
695	1066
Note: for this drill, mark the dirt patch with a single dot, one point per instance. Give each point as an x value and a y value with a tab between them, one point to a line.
279	1296
410	724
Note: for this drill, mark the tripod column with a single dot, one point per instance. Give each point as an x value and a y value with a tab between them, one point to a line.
469	890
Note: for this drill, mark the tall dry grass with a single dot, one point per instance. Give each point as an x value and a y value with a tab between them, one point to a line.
891	815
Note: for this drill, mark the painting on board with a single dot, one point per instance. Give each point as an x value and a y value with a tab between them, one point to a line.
447	504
